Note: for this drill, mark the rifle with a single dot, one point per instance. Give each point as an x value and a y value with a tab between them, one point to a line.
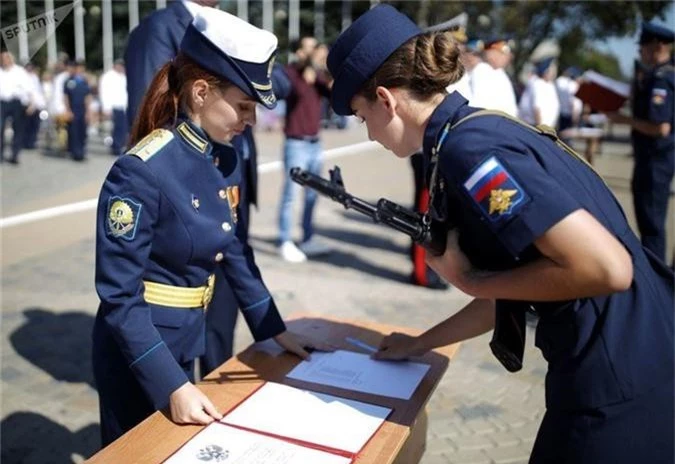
508	341
419	227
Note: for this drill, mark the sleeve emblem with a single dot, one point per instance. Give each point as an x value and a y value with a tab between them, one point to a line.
494	190
659	96
123	215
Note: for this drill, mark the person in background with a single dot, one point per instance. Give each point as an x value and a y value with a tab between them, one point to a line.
302	148
167	219
653	104
57	134
498	54
539	103
530	225
113	94
570	106
37	104
14	99
422	274
77	98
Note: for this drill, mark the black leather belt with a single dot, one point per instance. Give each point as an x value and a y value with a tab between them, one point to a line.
305	138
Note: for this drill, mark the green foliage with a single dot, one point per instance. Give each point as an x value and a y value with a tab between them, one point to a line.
573	23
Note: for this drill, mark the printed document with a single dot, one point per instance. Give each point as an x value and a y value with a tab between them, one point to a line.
324	420
358	372
219	443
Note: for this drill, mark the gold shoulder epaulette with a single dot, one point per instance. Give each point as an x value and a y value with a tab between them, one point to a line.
151	144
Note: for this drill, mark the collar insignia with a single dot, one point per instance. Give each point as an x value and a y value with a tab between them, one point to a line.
193	139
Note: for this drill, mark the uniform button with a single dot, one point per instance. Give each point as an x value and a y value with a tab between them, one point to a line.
219	257
222	194
227	227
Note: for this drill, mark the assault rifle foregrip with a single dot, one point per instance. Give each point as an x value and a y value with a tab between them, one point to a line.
429	234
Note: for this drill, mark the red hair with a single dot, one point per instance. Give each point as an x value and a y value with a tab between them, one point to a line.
168	93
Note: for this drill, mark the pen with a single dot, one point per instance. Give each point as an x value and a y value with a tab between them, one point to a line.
360	344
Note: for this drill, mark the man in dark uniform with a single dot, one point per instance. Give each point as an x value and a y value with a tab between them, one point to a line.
155	41
77	96
652	135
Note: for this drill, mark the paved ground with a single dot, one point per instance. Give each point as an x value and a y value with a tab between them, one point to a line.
479	414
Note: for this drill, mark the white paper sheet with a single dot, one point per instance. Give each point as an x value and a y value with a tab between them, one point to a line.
325	420
220	443
358	372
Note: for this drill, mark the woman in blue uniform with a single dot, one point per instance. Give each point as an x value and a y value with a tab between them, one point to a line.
167	217
532	225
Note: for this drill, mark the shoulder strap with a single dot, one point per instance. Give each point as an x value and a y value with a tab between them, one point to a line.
541	129
151	144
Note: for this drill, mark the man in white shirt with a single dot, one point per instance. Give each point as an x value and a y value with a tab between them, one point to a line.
539	103
498	55
570	106
56	107
36	104
14	98
113	94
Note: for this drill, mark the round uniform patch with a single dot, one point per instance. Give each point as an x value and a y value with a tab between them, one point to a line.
123	217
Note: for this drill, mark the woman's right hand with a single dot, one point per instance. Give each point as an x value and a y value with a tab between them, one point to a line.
189	405
398	346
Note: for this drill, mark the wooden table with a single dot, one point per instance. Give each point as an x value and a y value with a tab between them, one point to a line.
401	439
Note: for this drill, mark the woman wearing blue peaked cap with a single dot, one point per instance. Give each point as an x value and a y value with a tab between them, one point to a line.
167	217
533	226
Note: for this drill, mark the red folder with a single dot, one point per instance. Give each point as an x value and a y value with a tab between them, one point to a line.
350	455
602	93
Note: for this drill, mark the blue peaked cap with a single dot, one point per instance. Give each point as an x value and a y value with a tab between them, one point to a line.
542	66
234	50
651	31
362	48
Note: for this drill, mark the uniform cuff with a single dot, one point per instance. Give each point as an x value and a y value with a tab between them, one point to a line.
264	320
159	374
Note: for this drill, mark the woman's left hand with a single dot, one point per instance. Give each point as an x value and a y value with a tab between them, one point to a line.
299	344
454	266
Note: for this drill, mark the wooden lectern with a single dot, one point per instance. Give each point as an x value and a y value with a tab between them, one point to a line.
401	439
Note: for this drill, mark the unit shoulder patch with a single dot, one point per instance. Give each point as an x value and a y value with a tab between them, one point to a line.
495	191
123	217
151	144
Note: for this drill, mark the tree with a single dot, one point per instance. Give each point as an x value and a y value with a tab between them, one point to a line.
572	24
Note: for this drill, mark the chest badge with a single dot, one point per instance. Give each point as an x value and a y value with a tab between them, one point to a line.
233	199
195	202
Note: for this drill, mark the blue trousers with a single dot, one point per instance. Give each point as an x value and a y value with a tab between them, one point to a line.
638	430
652	176
77	136
305	155
14	110
120	132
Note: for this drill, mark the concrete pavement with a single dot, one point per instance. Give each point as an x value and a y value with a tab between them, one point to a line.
479	413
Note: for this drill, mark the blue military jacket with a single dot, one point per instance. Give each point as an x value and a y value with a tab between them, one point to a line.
167	215
77	89
504	185
154	42
654	101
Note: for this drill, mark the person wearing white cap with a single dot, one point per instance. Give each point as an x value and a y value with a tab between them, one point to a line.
167	219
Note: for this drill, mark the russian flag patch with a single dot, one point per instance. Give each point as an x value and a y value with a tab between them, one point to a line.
494	190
